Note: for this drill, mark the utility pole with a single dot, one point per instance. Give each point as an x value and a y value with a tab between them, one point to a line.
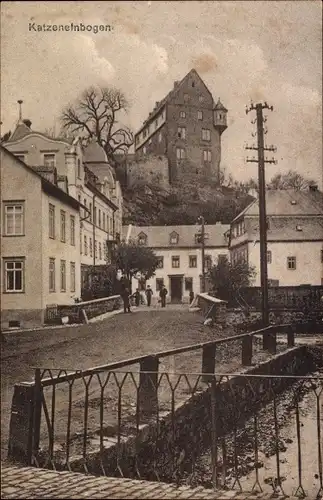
202	220
260	120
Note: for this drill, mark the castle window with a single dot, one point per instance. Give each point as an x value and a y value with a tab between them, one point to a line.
206	134
156	123
160	136
142	239
181	132
144	150
186	96
201	98
180	153
182	114
207	156
173	238
193	84
200	115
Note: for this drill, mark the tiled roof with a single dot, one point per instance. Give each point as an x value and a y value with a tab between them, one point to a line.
220	106
20	131
292	229
288	203
159	236
93	153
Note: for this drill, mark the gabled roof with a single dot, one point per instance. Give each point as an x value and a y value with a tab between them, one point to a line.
291	229
20	131
219	106
159	236
287	203
170	94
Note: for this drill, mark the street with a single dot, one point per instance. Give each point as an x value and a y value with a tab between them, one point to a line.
119	337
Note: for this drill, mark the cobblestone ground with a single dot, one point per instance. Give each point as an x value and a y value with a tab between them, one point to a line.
120	337
30	483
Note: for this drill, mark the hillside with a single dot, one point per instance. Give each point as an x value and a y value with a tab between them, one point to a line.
152	205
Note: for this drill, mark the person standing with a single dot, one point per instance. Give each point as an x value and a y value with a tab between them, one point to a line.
149	293
137	297
162	294
125	294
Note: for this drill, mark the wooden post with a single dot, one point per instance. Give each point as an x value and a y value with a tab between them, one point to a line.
38	396
290	337
148	391
246	354
208	361
272	342
21	424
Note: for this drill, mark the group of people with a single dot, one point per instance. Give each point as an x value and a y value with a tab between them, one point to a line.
126	296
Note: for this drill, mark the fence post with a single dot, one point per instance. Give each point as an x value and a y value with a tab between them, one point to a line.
38	395
148	391
208	361
272	342
246	353
21	424
290	337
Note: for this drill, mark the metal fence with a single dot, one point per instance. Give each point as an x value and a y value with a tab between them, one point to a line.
205	428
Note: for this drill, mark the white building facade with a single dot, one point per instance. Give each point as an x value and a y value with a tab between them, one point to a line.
294	238
40	254
179	252
70	162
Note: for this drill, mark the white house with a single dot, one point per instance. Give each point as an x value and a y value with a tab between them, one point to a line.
40	254
70	162
294	236
179	251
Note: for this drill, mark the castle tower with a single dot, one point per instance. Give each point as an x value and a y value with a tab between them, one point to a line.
220	117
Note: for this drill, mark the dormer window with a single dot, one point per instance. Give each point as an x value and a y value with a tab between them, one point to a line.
299	228
142	239
174	238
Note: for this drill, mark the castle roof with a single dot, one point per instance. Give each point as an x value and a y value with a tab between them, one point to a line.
219	106
94	153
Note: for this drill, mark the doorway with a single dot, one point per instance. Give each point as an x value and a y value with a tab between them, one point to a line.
176	288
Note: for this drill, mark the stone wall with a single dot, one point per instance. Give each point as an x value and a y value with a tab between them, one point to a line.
148	170
167	450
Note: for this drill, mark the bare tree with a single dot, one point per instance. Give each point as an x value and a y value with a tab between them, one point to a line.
290	180
95	115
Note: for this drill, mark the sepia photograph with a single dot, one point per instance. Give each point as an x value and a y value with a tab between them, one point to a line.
161	259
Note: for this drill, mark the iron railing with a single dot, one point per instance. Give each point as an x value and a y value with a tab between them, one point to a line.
159	424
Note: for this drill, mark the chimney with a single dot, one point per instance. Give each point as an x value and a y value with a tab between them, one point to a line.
27	122
313	187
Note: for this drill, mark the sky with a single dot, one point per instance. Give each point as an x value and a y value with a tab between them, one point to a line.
260	51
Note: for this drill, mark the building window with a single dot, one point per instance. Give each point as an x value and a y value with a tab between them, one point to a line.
159	284
144	150
96	249
103	221
85	245
160	137
144	134
95	218
78	168
52	285
63	226
222	258
180	153
173	240
14	219
14	275
90	247
72	276
192	261
49	160
51	221
81	243
181	132
200	115
63	275
206	134
142	239
269	257
99	218
207	156
175	261
291	263
72	229
91	215
182	114
160	262
201	98
208	262
189	284
186	97
100	251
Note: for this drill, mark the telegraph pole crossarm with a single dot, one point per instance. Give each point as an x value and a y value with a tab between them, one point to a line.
261	160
